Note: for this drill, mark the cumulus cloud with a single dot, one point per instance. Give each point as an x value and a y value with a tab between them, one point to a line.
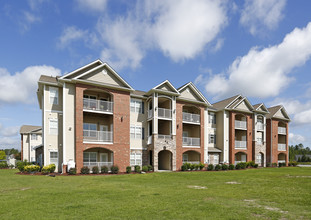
92	5
71	34
259	15
295	138
264	72
28	18
21	86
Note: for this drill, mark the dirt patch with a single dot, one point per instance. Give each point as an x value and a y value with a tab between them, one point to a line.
197	187
298	176
23	189
232	182
274	209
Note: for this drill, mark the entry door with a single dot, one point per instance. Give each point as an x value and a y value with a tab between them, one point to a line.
103	135
243	158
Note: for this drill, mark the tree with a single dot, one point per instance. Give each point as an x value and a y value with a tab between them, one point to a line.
2	155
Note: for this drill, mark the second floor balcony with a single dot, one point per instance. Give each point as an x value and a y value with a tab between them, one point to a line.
281	147
282	130
97	136
260	127
165	137
192	118
240	145
97	105
191	141
164	113
240	125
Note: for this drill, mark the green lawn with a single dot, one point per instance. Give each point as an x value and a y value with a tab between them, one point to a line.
270	193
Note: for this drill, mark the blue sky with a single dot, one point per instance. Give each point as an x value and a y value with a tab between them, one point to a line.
261	49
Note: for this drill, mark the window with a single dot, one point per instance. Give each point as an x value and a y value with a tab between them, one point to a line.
34	137
53	95
53	126
185	157
258	158
212	118
216	159
54	157
89	157
136	159
212	139
89	130
33	159
137	132
137	106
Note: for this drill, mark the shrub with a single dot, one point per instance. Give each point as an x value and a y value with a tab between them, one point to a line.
3	165
210	167
251	163
184	167
32	168
145	168
225	167
241	165
201	165
114	169
192	166
150	168
128	169
85	170
268	165
217	167
137	168
196	166
231	167
95	170
282	164
238	166
104	169
274	164
256	165
48	169
294	163
21	164
72	171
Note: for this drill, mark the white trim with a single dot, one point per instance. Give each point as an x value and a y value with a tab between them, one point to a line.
170	85
53	111
233	101
77	70
44	129
90	142
87	72
191	146
247	102
64	124
196	90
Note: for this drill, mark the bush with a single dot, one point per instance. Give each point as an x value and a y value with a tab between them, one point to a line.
85	170
128	169
21	164
196	166
192	166
72	171
251	163
231	167
137	168
282	164
201	165
241	165
184	167
210	167
256	165
32	168
3	165
274	164
293	163
150	168
104	169
238	166
48	169
224	167
95	170
145	168
217	167
114	169
268	165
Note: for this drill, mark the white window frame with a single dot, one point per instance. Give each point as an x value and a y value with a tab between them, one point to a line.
212	118
52	159
136	131
53	95
89	157
34	137
185	158
53	130
137	106
212	137
136	159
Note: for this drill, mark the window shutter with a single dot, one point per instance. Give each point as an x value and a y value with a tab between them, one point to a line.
143	107
215	139
214	118
143	133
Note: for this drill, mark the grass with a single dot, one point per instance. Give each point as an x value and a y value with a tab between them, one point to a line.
269	193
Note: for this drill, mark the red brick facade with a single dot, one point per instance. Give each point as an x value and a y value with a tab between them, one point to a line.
121	128
179	130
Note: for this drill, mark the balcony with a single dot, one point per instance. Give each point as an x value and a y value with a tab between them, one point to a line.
259	141
188	141
260	127
149	141
164	113
97	136
97	105
281	147
191	162
165	137
281	130
150	113
240	144
192	118
240	124
90	165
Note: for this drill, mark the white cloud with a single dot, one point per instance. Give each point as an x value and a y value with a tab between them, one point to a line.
34	4
28	19
71	34
258	15
295	138
92	5
10	131
264	72
21	86
9	142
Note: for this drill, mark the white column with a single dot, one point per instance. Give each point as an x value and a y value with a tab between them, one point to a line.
64	124
45	153
174	116
206	133
155	113
226	137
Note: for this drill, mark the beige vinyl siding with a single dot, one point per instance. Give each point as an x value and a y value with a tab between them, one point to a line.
103	75
138	119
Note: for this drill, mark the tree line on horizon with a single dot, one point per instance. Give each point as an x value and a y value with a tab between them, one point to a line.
299	149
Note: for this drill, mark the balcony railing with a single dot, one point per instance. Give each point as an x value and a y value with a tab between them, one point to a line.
90	165
240	124
164	113
191	162
188	141
188	117
281	161
281	130
165	137
150	113
281	147
97	105
260	127
240	144
149	140
259	141
97	136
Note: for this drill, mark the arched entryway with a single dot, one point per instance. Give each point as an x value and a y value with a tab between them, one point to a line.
260	159
191	157
165	160
281	158
240	157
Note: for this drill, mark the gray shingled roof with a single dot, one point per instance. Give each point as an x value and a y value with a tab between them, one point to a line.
273	110
214	150
222	104
257	105
48	79
25	129
138	92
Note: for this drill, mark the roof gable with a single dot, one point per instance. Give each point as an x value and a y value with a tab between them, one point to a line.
243	105
281	113
166	86
278	112
226	102
261	108
192	93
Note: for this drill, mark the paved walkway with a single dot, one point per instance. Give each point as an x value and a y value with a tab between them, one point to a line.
300	165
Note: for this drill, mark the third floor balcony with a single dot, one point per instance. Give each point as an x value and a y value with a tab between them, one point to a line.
282	130
240	125
240	145
165	113
97	105
191	118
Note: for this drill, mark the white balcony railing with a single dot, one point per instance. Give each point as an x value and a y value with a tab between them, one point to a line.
281	161
164	113
97	136
97	105
191	162
188	117
260	127
165	137
281	147
240	144
281	130
240	124
90	165
188	141
259	141
149	141
150	113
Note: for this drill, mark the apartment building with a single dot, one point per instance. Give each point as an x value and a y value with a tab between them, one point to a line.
93	117
31	138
